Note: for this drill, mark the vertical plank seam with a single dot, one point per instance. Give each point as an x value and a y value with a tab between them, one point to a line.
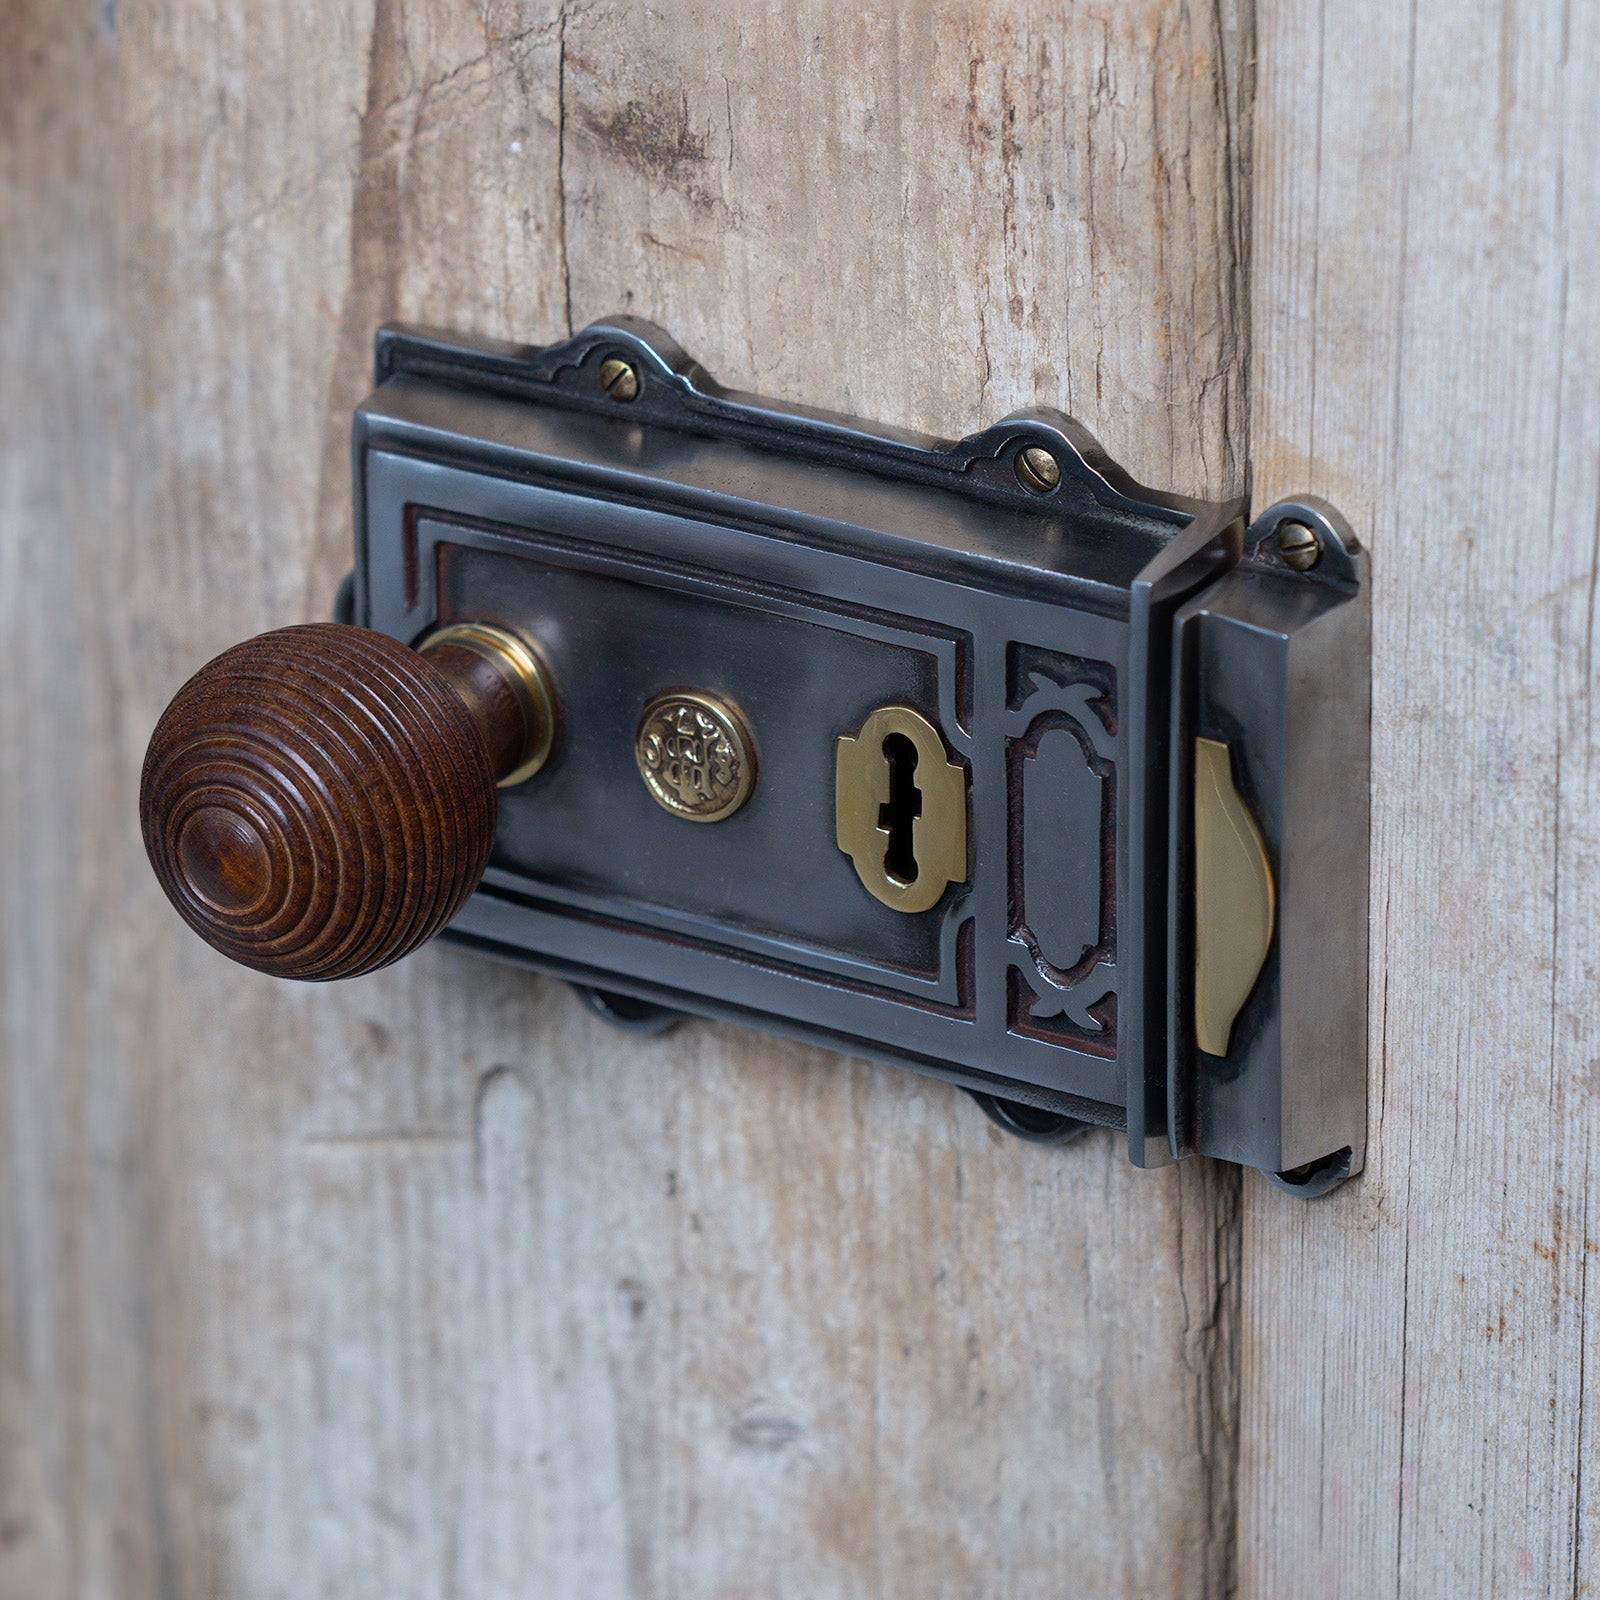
1316	232
561	159
1405	1352
1227	1244
1588	642
1237	172
1236	91
1583	1392
1397	432
1584	1245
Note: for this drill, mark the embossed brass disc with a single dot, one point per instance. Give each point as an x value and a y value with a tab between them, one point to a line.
695	755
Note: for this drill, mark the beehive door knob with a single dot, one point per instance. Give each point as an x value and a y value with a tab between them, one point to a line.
320	800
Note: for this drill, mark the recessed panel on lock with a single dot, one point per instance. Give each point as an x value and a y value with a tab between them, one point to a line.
587	829
969	756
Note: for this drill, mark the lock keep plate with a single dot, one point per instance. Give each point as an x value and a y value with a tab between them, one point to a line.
1060	645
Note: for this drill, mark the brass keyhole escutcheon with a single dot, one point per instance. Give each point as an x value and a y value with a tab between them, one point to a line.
901	809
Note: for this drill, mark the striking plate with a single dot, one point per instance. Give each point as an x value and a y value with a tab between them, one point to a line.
1020	773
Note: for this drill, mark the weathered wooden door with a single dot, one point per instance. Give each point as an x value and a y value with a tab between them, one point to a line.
429	1285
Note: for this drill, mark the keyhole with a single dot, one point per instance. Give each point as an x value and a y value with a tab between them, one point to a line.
901	810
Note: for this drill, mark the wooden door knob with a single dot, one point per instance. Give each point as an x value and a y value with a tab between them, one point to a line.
319	801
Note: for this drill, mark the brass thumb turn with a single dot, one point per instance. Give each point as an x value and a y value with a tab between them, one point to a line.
319	801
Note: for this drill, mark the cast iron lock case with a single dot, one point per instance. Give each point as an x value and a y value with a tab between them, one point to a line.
1006	767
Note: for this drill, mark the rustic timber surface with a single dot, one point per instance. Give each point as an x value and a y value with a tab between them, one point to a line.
1422	1355
429	1284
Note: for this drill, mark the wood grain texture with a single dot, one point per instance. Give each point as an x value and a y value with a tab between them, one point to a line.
429	1284
1422	1350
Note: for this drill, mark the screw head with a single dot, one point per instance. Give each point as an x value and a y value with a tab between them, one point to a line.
1037	469
619	378
1299	546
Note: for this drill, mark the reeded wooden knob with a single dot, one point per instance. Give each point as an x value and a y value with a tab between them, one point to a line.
319	801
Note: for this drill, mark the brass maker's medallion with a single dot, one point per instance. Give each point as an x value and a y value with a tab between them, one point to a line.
695	756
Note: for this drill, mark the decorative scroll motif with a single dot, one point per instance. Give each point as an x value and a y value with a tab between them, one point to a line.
1062	783
1061	809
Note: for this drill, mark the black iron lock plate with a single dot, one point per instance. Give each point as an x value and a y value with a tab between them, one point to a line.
1103	850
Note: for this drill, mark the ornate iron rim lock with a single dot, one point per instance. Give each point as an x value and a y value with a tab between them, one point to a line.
976	757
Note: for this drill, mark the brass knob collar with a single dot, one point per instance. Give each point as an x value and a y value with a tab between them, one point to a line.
523	671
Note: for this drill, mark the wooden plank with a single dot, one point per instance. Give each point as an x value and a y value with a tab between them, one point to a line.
1420	1371
55	259
430	1284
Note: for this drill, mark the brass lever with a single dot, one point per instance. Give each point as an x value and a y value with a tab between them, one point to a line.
1234	898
